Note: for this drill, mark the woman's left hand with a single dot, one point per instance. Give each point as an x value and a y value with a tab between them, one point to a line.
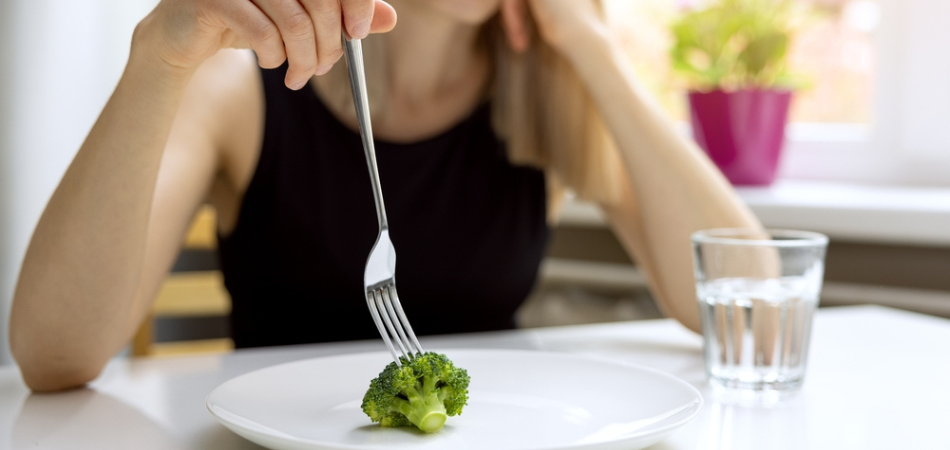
563	24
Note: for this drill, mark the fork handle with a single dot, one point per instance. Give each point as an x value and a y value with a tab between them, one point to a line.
353	52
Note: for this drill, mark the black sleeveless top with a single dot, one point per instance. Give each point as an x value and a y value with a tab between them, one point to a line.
468	227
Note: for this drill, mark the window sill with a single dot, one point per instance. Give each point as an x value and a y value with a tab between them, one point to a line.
844	211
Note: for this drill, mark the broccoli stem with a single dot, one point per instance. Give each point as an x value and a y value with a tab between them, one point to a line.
431	422
425	410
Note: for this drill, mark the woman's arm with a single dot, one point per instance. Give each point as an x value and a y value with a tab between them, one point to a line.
75	304
114	224
671	187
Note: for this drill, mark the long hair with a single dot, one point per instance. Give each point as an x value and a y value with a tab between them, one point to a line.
540	109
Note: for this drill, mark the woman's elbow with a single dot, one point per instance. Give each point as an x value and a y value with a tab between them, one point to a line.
41	379
48	376
682	307
47	371
691	323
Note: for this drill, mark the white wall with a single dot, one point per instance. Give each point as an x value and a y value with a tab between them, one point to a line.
59	61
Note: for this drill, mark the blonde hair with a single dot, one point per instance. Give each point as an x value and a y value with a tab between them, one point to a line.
540	108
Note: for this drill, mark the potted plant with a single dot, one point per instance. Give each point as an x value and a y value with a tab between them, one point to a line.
733	54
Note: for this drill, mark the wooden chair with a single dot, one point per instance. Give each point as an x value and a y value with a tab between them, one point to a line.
188	294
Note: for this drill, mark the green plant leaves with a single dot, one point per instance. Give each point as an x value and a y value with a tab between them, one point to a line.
762	51
733	44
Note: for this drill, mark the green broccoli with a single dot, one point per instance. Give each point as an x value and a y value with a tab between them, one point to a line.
421	393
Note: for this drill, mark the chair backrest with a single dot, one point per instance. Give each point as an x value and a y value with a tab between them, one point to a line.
194	289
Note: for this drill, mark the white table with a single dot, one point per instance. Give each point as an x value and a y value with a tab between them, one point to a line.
878	379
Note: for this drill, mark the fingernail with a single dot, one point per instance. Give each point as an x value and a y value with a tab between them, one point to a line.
298	85
361	30
322	70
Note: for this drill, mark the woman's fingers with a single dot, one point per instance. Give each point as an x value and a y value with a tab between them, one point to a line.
305	33
358	17
256	30
362	17
326	16
514	22
384	17
296	29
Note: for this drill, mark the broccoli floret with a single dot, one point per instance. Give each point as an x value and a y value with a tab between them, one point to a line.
422	393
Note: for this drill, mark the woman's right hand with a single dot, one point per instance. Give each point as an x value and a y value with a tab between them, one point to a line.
306	33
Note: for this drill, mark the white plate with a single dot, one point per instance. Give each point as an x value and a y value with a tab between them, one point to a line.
517	400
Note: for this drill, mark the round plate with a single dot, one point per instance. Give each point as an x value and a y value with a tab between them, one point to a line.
518	400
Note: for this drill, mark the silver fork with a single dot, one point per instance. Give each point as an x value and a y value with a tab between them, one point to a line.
379	278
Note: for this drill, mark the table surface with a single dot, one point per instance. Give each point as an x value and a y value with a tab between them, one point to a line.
877	379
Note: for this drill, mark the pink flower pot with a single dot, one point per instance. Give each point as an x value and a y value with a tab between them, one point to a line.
742	131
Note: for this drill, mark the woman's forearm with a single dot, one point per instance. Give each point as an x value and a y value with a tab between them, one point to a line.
677	188
682	180
80	274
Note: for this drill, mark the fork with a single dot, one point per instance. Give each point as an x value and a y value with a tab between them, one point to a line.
379	278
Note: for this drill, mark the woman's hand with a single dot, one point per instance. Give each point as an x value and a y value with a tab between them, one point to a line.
183	33
565	25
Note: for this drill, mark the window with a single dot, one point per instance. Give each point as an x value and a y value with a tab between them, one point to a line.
878	109
833	50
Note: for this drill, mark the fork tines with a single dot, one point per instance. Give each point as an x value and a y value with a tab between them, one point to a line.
385	307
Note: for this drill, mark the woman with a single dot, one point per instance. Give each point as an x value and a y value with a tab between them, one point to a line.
484	111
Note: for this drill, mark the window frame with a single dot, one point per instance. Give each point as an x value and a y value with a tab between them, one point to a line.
905	143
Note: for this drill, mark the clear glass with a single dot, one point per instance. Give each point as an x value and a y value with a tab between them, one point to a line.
757	292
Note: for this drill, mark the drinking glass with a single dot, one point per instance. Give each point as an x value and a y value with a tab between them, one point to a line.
757	293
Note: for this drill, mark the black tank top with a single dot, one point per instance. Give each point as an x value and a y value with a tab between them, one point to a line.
468	227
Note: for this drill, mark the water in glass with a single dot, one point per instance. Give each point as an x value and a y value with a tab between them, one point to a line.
756	330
